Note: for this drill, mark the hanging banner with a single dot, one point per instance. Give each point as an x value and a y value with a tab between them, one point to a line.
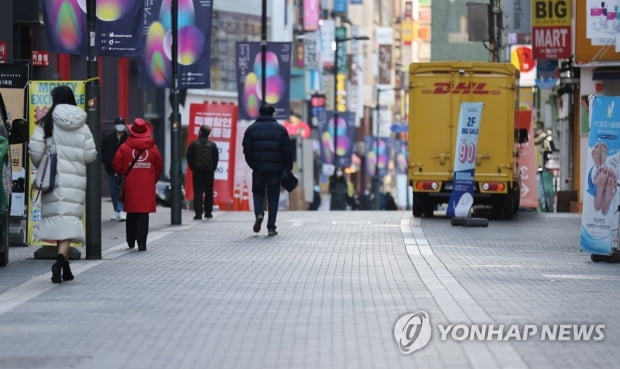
311	15
65	26
402	154
377	156
462	196
118	31
40	100
194	46
346	135
599	218
222	118
249	78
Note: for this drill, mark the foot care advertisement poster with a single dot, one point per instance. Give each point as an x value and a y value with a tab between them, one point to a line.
599	219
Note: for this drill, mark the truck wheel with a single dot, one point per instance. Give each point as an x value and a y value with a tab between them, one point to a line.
517	198
428	208
4	258
417	205
596	258
508	207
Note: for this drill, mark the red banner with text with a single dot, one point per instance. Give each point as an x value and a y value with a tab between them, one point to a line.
222	118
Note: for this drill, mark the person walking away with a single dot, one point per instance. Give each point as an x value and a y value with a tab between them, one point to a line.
338	188
63	130
139	196
267	151
202	157
109	145
366	200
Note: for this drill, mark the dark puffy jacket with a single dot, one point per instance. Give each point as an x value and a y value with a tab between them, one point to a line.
109	145
266	146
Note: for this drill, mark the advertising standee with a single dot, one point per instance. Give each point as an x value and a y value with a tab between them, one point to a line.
462	198
599	219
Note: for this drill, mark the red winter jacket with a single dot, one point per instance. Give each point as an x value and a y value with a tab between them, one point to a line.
141	180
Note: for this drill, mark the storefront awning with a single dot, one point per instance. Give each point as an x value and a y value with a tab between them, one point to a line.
606	73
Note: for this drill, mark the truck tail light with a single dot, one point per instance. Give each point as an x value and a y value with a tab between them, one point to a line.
426	186
493	187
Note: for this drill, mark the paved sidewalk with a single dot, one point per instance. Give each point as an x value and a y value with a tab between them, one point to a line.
325	293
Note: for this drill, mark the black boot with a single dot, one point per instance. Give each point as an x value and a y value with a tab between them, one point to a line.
57	267
66	271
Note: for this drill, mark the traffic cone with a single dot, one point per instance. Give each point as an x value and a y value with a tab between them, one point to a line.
245	198
236	198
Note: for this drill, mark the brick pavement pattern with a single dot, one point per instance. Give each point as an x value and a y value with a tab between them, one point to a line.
324	293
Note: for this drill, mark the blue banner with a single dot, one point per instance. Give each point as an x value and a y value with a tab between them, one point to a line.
599	218
249	78
462	196
345	139
194	44
118	32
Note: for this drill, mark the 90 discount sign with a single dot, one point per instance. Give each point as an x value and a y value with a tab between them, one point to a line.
467	152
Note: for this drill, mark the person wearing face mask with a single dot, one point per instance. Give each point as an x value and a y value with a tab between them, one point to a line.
338	188
109	145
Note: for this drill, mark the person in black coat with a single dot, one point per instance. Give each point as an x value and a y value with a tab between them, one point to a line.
109	145
338	188
267	151
202	157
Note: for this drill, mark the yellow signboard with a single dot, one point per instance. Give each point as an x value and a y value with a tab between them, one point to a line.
550	13
39	102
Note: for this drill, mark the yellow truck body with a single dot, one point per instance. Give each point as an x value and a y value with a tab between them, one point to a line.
436	91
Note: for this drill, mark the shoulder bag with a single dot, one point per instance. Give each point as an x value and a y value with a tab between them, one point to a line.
121	183
45	178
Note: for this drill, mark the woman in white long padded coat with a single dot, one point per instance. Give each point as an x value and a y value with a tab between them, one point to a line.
62	208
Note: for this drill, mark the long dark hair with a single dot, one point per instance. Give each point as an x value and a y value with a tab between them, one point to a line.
60	95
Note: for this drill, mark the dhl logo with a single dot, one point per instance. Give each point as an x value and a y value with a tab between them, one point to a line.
461	88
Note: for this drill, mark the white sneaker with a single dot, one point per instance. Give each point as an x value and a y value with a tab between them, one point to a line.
122	216
115	216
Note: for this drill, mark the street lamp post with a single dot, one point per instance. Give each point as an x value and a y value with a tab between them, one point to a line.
337	41
375	179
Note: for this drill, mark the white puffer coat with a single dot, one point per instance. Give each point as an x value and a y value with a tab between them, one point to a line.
63	208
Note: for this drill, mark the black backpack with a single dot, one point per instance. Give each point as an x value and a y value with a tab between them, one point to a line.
203	155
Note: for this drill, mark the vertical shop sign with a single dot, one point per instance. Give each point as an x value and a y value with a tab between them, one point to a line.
551	29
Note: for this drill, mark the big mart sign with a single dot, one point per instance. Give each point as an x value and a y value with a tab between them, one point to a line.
551	33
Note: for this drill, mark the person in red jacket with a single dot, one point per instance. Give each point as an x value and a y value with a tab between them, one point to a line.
139	193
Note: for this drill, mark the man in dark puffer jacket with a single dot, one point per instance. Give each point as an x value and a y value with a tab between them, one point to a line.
267	150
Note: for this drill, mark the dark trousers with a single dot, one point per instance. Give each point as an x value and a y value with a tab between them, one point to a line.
203	187
137	228
113	181
271	183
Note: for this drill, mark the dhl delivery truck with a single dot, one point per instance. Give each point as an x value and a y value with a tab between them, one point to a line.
436	91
